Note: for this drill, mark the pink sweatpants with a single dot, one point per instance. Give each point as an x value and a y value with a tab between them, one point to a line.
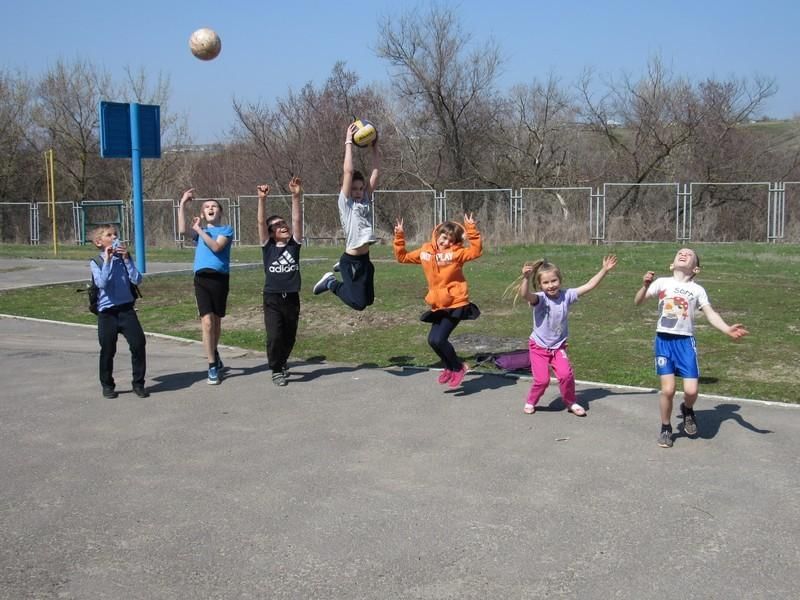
541	361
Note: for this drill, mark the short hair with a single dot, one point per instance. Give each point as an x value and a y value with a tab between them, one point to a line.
98	232
218	203
358	176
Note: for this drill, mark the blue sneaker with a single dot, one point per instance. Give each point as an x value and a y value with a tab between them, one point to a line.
213	376
323	285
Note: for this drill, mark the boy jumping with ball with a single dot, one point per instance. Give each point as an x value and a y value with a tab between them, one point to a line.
675	351
357	287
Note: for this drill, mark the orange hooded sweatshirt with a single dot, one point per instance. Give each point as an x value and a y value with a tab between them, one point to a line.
447	287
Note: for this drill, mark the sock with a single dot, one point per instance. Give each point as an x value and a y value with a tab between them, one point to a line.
210	365
686	410
666	427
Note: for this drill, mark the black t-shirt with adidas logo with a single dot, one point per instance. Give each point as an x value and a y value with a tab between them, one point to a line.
281	267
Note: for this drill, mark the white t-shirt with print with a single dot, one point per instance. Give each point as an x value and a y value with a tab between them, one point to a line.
677	303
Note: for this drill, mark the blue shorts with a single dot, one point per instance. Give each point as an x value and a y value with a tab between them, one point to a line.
676	355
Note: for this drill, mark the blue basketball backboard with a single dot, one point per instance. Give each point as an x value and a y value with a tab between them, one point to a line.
115	130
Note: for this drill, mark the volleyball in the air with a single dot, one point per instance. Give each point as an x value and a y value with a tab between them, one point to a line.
205	44
366	133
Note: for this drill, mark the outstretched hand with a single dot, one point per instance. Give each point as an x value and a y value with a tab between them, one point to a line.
527	270
737	331
263	191
648	278
609	262
398	226
469	218
188	196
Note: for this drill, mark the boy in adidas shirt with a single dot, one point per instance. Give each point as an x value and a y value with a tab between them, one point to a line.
280	250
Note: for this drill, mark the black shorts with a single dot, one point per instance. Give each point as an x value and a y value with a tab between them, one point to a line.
211	292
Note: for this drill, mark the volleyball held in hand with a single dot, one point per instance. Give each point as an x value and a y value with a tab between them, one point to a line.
205	44
366	133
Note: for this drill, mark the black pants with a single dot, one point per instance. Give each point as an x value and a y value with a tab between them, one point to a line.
439	342
281	315
357	288
110	323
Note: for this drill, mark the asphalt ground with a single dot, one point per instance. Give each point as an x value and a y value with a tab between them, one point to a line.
357	482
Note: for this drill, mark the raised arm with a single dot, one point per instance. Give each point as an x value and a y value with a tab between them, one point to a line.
735	331
347	166
642	291
296	188
263	230
376	165
475	248
525	290
609	262
186	199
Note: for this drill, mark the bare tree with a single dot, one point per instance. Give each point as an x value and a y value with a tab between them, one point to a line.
68	97
446	90
535	138
21	167
302	133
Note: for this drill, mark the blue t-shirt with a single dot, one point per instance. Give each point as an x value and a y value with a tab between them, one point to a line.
204	258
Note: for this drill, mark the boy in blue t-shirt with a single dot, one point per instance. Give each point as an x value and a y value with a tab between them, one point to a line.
212	261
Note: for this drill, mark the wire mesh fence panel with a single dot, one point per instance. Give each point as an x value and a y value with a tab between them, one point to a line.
280	205
15	222
792	212
415	207
322	219
66	227
640	212
554	215
490	208
729	212
160	228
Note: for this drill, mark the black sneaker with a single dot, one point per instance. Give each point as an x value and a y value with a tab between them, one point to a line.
278	378
665	438
109	392
140	391
689	420
323	285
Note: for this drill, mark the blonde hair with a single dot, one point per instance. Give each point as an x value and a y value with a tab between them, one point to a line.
98	232
539	266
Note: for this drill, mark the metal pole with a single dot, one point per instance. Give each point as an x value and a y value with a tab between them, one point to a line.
138	204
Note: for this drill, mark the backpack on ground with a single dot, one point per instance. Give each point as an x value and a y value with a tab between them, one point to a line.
515	360
94	292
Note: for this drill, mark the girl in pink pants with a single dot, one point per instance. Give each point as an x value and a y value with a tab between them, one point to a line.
548	342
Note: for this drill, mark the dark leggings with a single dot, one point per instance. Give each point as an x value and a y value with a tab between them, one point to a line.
438	341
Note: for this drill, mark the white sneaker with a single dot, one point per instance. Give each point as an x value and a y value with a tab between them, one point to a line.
323	285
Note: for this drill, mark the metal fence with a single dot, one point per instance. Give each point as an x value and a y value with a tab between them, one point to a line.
613	212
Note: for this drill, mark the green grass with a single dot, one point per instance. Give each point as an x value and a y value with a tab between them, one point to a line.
610	338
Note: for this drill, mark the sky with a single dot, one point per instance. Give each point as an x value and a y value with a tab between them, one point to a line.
270	48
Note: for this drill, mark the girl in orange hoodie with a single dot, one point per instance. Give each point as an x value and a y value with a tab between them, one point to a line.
442	260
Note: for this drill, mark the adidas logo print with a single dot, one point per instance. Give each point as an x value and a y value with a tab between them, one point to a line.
284	264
